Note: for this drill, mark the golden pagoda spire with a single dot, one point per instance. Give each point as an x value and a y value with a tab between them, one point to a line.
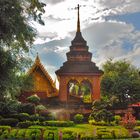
78	20
37	60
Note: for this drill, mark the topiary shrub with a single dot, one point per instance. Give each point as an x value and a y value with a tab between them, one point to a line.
117	119
24	124
37	117
40	108
33	134
69	135
78	118
9	121
27	108
5	135
21	134
33	99
21	116
13	134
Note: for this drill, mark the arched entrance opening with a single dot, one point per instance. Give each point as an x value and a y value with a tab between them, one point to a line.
81	90
86	91
73	88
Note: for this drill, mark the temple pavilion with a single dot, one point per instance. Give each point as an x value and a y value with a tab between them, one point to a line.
79	77
79	80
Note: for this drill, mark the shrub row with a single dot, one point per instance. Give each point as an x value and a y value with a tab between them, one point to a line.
9	121
26	117
59	123
26	124
21	134
36	133
101	123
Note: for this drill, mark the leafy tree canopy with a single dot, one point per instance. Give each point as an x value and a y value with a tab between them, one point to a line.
16	37
121	80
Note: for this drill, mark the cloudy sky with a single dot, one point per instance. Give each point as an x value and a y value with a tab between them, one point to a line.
110	27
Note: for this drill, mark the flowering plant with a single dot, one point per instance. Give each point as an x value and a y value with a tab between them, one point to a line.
128	121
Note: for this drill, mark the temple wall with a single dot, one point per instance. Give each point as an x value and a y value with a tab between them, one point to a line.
41	83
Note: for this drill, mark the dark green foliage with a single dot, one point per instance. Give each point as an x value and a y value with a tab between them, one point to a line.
78	118
9	121
16	38
27	108
100	110
13	20
24	124
37	117
21	116
122	80
9	107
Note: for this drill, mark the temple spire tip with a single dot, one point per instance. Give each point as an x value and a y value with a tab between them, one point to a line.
78	20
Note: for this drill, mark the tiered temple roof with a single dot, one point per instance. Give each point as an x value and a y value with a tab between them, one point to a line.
79	58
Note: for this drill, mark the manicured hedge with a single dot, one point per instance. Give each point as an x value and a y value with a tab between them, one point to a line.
59	123
69	135
24	124
33	134
9	121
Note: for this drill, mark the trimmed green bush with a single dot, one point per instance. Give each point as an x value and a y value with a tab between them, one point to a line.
59	123
78	118
37	117
33	99
27	108
4	135
69	135
13	133
21	134
33	134
9	121
24	124
117	119
48	134
21	117
40	108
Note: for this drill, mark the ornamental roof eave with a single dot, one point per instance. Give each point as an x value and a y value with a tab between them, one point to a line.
38	63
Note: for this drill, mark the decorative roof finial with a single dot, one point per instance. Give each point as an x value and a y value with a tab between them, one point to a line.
78	20
37	58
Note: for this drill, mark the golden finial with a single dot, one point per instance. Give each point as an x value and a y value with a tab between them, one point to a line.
78	20
37	58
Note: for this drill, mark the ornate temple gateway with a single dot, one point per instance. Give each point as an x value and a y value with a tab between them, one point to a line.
79	77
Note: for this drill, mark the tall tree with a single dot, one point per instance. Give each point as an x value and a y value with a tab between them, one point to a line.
122	80
16	37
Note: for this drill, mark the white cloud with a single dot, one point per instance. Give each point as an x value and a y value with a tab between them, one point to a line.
105	37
